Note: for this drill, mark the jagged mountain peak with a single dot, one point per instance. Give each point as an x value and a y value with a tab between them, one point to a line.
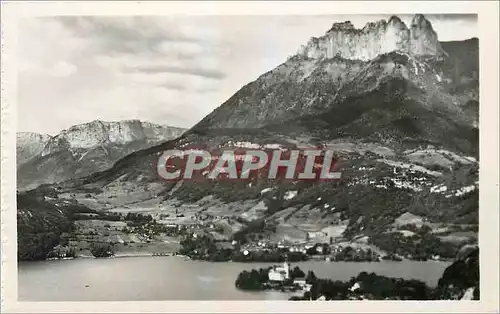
373	25
347	25
424	40
395	19
421	21
375	38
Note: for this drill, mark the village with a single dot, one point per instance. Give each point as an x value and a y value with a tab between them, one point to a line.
206	237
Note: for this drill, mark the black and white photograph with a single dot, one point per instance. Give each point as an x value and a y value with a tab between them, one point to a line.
260	157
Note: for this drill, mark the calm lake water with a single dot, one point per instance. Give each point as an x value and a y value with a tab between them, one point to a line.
173	278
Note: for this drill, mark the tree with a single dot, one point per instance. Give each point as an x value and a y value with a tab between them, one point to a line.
71	252
101	250
252	280
425	229
326	249
311	277
297	273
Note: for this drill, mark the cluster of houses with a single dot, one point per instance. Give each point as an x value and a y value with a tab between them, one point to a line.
266	244
315	251
297	247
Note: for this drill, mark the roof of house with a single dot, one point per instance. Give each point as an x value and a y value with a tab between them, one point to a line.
281	271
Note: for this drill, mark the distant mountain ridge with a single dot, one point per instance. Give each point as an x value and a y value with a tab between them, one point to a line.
83	149
100	132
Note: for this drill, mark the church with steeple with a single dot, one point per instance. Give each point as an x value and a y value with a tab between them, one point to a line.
280	273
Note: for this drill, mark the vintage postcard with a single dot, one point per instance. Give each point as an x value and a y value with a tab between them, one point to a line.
250	156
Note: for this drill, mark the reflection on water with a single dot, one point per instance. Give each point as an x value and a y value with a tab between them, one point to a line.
172	278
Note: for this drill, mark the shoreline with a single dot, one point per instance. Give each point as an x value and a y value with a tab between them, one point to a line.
187	258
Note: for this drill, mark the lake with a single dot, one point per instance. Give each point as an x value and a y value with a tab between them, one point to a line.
173	278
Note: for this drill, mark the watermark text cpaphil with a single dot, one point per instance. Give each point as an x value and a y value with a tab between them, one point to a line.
199	164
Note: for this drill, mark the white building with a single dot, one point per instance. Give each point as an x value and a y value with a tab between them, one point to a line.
355	287
279	273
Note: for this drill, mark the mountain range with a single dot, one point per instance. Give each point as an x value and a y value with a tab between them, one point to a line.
400	109
83	149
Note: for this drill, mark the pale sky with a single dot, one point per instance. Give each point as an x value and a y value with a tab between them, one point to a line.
170	70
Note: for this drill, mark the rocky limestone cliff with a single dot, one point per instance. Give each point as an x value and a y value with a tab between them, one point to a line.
98	132
29	144
376	38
